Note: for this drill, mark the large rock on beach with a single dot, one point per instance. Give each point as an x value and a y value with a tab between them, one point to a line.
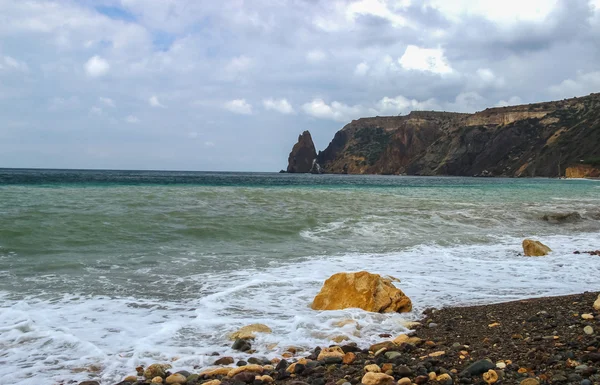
533	248
156	370
371	378
249	332
363	290
597	303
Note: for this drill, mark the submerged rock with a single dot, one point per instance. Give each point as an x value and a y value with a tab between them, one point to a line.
249	332
533	248
363	290
562	218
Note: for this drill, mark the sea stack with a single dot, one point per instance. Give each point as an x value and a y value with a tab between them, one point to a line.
303	155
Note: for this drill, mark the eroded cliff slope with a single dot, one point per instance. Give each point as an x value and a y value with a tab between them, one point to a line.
540	139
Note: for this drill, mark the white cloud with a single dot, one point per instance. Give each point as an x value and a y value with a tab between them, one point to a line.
337	111
497	11
425	59
402	105
209	144
108	102
378	8
154	102
279	105
96	66
512	101
193	135
9	63
132	119
59	103
239	106
239	64
315	56
96	110
361	69
583	84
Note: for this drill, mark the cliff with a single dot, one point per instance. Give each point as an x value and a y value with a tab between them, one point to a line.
582	171
303	154
541	139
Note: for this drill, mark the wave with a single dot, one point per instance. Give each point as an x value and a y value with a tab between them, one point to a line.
71	335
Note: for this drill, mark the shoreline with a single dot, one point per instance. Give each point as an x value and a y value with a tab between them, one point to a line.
544	340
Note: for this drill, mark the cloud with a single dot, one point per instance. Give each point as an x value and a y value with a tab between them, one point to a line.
315	56
279	105
96	67
337	111
209	144
59	103
239	64
403	105
581	84
361	69
154	102
108	102
512	101
8	63
238	106
425	59
96	110
132	119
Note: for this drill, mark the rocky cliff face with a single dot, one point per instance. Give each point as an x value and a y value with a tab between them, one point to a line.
540	139
582	171
303	154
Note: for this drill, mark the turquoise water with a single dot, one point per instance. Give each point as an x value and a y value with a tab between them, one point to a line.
92	263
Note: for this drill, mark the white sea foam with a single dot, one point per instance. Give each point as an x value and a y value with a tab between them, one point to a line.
45	341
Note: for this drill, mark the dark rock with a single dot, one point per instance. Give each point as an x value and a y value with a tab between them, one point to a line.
224	361
282	365
303	155
562	218
89	383
404	371
299	369
241	363
184	373
318	381
246	377
332	360
241	345
593	357
258	361
478	368
350	348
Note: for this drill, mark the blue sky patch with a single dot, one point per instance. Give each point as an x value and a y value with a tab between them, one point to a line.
115	13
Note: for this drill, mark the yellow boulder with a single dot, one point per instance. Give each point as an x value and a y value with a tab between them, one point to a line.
535	248
363	290
246	368
334	351
371	378
597	303
249	332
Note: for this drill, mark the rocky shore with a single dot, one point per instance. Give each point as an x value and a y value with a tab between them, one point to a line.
550	340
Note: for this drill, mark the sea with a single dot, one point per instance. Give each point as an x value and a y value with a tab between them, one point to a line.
102	271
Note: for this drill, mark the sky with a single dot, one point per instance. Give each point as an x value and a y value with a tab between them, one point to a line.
229	85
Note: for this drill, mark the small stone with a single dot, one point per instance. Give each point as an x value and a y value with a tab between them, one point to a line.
372	368
490	376
89	383
224	361
216	372
588	330
437	354
266	379
247	377
421	380
478	367
597	303
157	380
586	382
249	332
334	351
444	379
387	345
432	325
587	316
501	365
493	325
176	378
242	345
530	381
156	370
371	378
131	379
247	368
349	358
332	360
432	376
404	371
404	381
